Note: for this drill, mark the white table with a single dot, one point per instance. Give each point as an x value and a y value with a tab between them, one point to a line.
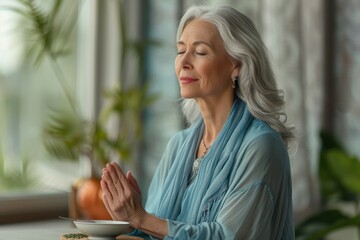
44	230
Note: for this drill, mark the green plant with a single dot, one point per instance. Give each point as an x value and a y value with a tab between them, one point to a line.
48	37
44	39
18	179
339	176
67	134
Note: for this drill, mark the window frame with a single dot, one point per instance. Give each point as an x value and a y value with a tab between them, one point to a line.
20	207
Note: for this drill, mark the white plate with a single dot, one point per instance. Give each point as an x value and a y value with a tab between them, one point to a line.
102	229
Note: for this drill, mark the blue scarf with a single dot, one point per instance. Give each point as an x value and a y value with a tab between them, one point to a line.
201	200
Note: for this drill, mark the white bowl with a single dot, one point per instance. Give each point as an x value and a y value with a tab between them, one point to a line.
102	229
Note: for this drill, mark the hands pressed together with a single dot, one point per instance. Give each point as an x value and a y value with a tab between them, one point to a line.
122	195
122	199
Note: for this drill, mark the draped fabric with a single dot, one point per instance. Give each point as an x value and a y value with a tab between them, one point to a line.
242	191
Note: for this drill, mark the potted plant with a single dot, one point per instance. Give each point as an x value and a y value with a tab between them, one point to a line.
70	137
339	177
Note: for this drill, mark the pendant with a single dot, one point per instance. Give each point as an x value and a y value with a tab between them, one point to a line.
196	165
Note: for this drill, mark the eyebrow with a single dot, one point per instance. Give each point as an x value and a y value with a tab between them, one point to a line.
196	43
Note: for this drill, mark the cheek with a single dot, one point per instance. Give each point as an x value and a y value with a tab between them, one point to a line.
207	70
221	68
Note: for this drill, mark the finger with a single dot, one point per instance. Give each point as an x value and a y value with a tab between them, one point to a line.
121	176
133	182
119	172
113	180
126	187
107	206
106	189
106	173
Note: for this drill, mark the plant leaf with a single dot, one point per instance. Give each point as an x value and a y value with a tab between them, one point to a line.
323	223
346	169
66	135
331	186
22	178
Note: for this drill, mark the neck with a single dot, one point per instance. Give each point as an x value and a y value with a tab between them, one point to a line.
214	115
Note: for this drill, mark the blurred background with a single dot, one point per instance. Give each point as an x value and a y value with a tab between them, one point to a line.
61	58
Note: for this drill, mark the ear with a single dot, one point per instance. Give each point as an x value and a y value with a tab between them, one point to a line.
236	71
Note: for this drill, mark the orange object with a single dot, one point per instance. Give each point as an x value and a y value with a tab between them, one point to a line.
89	199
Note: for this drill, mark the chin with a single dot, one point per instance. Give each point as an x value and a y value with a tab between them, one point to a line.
187	94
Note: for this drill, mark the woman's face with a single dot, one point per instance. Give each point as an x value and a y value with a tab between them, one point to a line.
203	67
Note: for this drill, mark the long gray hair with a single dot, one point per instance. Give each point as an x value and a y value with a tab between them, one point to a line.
257	85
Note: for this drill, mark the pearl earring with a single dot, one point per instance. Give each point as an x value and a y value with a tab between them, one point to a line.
235	81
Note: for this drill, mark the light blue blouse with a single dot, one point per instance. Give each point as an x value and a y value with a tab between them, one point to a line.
242	190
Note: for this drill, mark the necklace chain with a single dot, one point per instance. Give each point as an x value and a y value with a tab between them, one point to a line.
197	162
206	147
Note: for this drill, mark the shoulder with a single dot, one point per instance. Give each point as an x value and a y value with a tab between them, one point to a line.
264	148
260	134
263	158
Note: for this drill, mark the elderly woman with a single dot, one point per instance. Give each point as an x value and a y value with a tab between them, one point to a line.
226	176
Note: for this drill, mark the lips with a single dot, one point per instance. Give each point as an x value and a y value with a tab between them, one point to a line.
187	80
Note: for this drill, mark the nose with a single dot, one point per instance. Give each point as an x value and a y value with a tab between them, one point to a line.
185	61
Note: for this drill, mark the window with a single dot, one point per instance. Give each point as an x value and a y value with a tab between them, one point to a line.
30	86
164	118
33	185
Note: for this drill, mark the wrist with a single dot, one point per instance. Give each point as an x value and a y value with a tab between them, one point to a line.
137	220
150	224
